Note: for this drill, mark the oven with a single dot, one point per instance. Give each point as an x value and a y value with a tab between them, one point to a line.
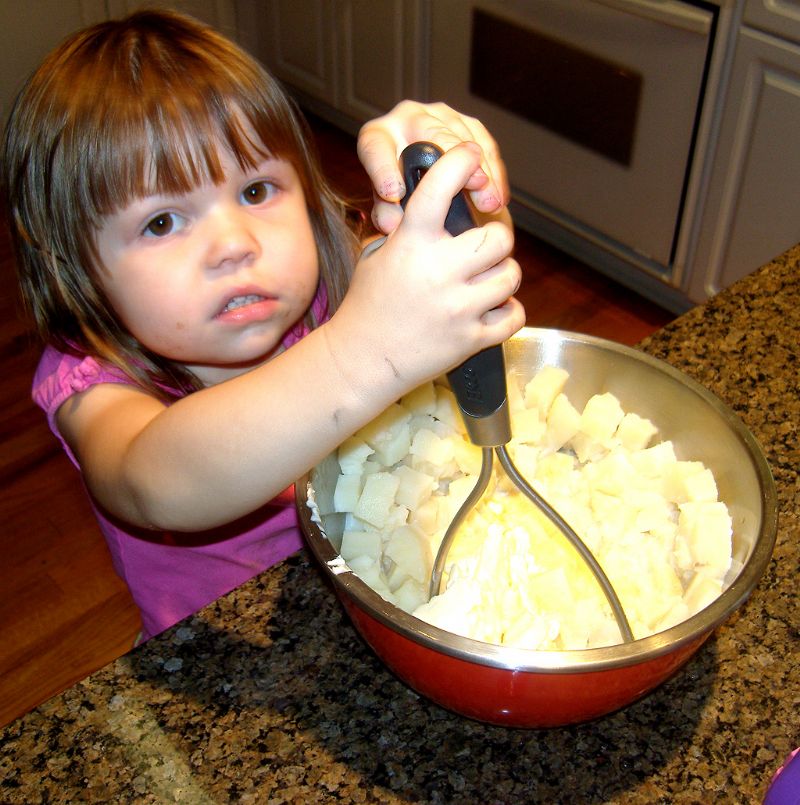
597	106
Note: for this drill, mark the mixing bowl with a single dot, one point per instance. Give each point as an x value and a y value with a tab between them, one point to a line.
525	688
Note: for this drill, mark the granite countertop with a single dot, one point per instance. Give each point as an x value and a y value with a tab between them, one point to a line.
269	696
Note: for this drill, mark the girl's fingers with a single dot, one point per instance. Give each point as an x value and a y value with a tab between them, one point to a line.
500	282
489	184
376	150
381	141
489	245
496	192
501	322
494	288
428	206
386	216
440	124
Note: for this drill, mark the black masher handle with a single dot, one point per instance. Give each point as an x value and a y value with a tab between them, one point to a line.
480	382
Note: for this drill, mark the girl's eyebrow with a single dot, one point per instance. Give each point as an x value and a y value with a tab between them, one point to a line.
154	199
273	160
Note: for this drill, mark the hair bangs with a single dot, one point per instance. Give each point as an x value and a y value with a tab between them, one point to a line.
174	146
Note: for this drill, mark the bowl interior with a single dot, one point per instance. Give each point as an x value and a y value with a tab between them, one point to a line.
701	427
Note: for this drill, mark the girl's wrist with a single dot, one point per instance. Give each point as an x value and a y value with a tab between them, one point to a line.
372	378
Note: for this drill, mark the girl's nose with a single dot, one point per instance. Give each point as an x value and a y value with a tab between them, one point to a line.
231	239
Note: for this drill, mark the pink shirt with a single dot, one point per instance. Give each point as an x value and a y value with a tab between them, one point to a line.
172	575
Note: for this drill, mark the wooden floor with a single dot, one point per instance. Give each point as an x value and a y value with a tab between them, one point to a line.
63	611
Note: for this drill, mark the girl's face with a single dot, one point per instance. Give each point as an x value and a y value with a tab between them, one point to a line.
214	278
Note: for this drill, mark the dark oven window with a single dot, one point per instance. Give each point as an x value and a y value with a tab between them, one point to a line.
571	92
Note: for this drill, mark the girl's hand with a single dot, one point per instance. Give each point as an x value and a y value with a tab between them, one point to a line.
425	301
381	141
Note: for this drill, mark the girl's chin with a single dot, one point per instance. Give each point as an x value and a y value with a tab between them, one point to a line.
216	372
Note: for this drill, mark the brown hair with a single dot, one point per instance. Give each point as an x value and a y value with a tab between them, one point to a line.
121	110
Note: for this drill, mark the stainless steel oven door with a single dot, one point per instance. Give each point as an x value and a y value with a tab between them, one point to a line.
594	104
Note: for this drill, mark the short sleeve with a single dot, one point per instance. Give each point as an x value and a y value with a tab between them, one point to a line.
60	375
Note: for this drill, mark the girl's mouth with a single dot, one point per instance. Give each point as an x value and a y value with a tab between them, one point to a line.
241	301
248	308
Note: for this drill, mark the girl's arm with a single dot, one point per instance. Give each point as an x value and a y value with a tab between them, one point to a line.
419	305
381	141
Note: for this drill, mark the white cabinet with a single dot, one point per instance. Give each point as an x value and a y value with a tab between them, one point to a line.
752	209
354	58
555	103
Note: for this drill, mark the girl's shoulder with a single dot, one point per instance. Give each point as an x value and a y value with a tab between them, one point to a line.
59	375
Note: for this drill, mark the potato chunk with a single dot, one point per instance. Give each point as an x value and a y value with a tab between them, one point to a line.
361	543
415	487
347	492
410	551
376	499
544	387
708	530
352	454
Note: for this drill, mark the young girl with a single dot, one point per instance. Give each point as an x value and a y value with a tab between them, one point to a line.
186	264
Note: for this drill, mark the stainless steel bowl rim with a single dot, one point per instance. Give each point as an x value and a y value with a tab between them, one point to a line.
596	659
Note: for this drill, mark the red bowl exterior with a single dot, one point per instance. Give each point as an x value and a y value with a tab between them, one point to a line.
515	698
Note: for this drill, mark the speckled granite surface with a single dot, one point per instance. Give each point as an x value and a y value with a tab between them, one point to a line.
268	696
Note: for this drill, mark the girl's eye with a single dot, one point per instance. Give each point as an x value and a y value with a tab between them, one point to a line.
258	192
163	224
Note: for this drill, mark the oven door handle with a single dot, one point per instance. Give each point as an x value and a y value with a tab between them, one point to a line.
669	12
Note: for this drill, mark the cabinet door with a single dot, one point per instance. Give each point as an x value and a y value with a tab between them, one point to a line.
752	211
594	105
356	57
378	55
297	45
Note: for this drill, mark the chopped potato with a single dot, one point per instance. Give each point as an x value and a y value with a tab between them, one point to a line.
361	543
410	552
352	454
563	421
542	389
347	492
415	487
601	416
376	500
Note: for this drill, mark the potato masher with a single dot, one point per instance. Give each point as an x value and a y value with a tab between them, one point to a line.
479	385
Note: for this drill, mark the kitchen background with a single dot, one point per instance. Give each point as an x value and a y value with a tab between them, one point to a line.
673	174
652	139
